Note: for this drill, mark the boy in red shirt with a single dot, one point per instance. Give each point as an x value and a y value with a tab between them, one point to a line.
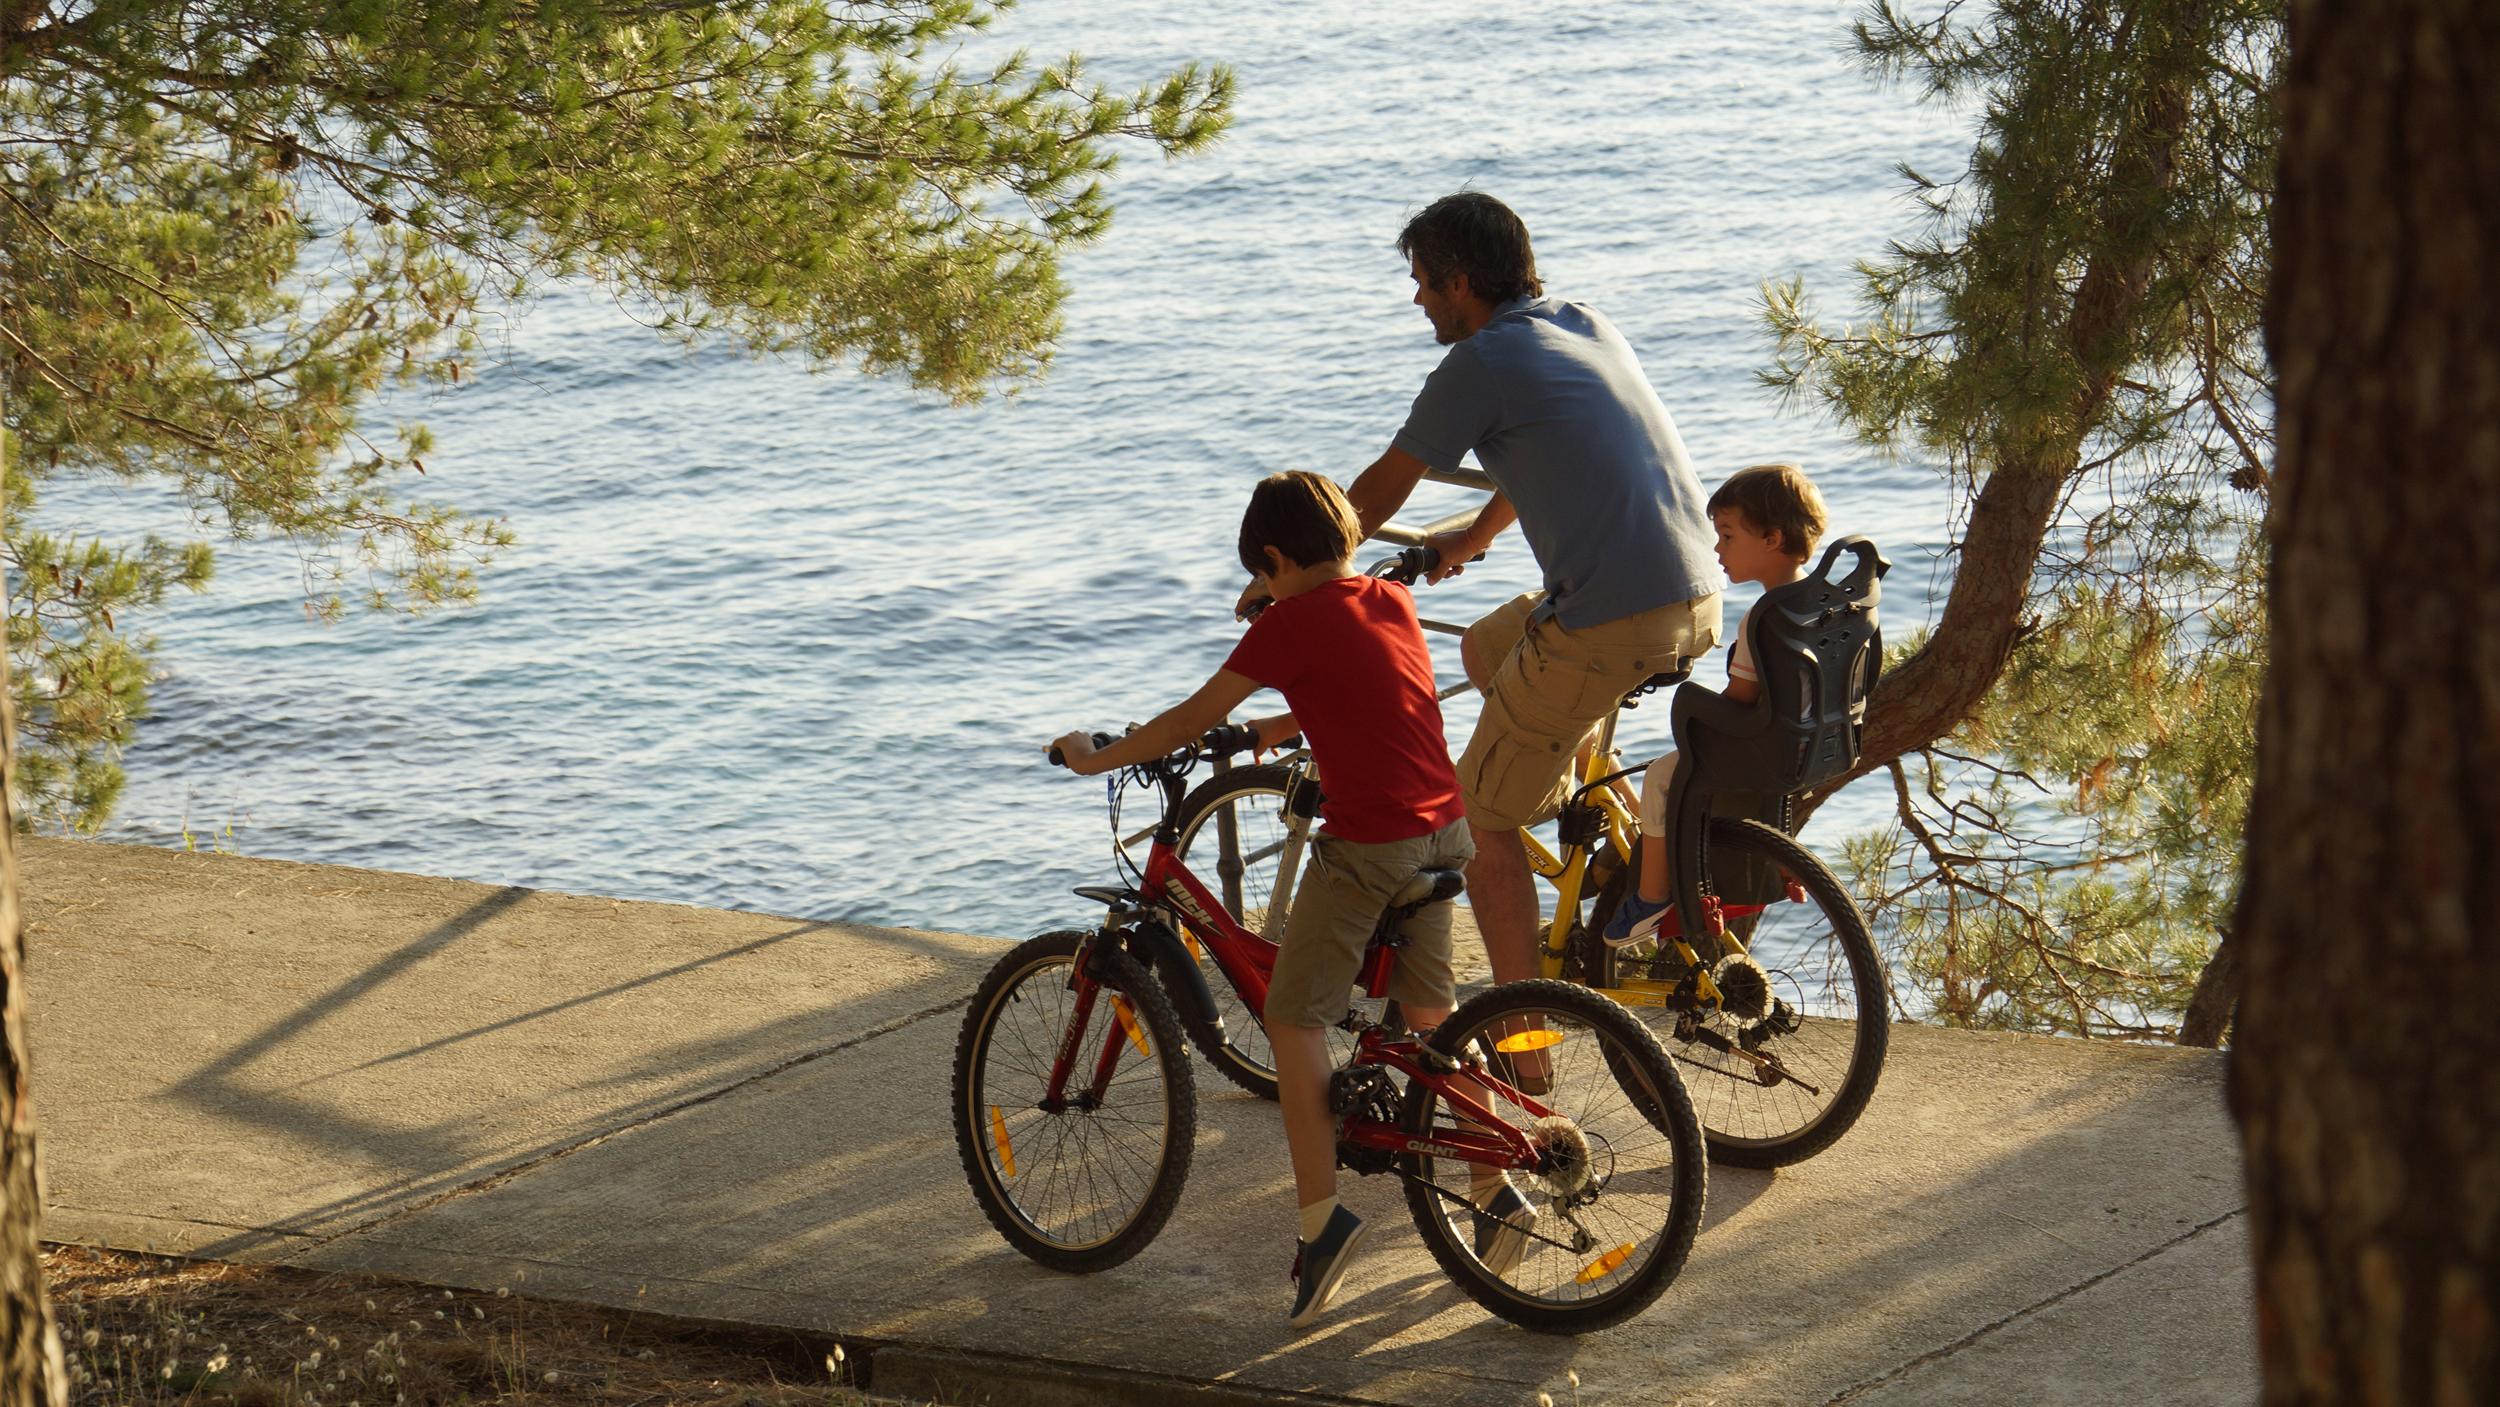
1346	652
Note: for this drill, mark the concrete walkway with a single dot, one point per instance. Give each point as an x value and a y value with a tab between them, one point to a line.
737	1117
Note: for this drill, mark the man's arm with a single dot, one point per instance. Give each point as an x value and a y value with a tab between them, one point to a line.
1377	494
1181	723
1458	546
1380	491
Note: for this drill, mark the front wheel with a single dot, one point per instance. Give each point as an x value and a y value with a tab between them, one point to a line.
1777	1091
1084	1181
1595	1233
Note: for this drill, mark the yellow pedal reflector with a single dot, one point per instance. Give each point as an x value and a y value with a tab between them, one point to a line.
998	1136
1605	1265
1128	1023
1528	1040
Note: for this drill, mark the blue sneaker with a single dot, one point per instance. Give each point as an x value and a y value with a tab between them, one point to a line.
1319	1265
1502	1229
1635	919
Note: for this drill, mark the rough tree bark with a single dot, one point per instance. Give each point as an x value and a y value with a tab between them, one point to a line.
30	1348
2216	999
2366	1073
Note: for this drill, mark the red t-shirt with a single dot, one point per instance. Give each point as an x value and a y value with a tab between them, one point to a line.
1350	661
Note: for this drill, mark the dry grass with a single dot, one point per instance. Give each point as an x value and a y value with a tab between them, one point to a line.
147	1330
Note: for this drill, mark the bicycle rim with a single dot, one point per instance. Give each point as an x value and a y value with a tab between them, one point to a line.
1616	1215
1244	868
1822	965
1078	1188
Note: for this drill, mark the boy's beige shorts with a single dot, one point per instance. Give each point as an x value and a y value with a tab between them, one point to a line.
1550	688
1344	889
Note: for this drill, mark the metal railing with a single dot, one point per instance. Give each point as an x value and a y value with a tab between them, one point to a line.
1399	536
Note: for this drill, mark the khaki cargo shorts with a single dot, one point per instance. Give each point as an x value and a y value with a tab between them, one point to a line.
1344	889
1550	688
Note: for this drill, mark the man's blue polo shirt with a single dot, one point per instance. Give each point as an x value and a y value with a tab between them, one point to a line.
1555	405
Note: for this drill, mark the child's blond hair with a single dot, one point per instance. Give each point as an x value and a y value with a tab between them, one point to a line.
1775	499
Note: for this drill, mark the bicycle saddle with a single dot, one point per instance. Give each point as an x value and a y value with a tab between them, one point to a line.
1663	679
1428	887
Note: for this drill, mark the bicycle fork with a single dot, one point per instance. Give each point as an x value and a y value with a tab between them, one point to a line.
1124	1029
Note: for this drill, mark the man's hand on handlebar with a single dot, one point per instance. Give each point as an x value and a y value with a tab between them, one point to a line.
1457	549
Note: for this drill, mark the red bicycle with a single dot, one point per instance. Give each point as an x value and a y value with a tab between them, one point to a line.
1075	1110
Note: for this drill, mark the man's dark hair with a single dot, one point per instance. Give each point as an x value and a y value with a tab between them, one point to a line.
1303	515
1471	233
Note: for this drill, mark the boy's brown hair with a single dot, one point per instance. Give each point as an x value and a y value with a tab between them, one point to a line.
1303	515
1775	498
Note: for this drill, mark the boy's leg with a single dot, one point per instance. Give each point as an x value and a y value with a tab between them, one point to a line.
1426	988
1341	899
1302	1069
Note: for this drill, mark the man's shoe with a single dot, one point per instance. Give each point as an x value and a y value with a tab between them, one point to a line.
1319	1265
1635	919
1502	1229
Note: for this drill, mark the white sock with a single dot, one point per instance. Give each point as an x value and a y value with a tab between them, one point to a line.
1315	1218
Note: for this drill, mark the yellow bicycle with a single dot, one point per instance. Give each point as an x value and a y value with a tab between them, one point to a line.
1776	1002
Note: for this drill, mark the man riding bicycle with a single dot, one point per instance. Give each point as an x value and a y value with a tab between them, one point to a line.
1558	411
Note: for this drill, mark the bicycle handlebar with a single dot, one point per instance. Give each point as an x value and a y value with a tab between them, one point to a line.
1411	565
1405	567
1101	740
1221	741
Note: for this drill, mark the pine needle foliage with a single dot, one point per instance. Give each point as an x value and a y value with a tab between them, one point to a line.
225	227
2081	302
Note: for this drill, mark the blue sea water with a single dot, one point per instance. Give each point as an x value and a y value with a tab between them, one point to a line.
792	642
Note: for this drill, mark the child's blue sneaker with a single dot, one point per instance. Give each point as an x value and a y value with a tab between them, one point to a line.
1319	1265
1635	919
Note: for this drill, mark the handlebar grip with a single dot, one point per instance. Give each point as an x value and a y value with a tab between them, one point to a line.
1226	739
1101	740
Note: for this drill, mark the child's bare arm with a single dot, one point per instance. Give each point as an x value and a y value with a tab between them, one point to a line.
1180	723
1743	690
1274	730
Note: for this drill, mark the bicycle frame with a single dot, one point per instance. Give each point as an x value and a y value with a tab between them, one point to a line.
1610	819
1170	890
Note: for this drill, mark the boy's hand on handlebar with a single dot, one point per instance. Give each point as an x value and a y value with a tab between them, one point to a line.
1075	751
1247	604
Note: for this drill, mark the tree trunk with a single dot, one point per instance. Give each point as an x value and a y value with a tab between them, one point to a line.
2366	1071
1988	609
2216	999
30	1348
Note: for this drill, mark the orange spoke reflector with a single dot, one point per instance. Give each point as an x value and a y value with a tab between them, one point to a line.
998	1136
1528	1040
1128	1023
1605	1265
1191	940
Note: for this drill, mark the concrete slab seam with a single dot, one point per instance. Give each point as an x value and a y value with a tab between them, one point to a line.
1856	1391
501	1176
954	1375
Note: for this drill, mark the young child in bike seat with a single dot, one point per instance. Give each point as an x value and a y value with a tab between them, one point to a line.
1346	652
1768	518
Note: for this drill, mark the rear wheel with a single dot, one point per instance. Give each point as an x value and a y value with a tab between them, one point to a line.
1596	1234
1775	1090
1086	1184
